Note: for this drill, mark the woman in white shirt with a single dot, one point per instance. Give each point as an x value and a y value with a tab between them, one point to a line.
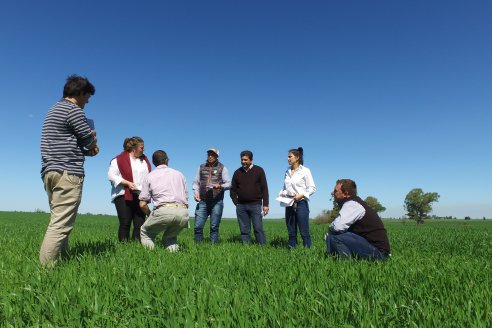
298	185
126	173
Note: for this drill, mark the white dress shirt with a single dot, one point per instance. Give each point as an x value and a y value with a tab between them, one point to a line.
350	213
298	182
139	171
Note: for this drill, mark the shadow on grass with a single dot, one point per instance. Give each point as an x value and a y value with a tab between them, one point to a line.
235	239
93	248
279	242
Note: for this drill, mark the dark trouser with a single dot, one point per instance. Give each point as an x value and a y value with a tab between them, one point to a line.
298	216
349	244
247	214
128	212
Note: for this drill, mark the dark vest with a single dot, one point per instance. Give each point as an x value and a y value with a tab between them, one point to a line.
371	227
211	175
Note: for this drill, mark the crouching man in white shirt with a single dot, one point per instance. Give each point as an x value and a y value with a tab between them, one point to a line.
357	231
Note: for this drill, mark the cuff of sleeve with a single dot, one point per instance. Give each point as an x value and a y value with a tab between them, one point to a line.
92	143
117	181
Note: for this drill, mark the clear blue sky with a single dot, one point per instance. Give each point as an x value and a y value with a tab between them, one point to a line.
393	94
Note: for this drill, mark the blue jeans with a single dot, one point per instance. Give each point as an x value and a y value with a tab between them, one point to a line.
298	216
349	244
247	213
202	211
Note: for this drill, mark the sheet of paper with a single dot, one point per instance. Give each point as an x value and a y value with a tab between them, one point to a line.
285	201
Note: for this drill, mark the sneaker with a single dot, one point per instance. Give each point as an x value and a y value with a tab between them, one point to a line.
173	248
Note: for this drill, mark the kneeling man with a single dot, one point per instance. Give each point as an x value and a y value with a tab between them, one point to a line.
357	231
166	188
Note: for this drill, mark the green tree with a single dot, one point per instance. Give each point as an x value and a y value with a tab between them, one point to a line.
419	204
374	203
328	216
335	211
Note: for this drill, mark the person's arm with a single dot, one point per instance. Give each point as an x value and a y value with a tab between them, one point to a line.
233	190
144	207
283	191
85	136
310	186
114	176
350	212
226	180
185	188
144	197
92	147
196	185
264	189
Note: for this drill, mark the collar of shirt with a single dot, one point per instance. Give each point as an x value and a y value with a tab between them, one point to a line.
300	168
162	166
249	168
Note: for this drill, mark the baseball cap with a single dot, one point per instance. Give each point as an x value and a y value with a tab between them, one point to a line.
214	150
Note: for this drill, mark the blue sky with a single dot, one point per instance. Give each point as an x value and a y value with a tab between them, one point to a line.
393	94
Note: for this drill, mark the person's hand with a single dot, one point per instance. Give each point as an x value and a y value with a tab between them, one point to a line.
132	185
265	210
298	197
217	186
92	152
197	197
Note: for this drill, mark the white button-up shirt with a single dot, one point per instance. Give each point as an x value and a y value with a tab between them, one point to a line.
350	213
139	172
298	182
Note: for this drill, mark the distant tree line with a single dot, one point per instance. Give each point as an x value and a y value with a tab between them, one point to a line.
417	204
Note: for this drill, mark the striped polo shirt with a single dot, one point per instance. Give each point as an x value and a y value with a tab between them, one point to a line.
64	135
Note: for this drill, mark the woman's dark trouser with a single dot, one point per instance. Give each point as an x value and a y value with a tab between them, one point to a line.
128	212
298	216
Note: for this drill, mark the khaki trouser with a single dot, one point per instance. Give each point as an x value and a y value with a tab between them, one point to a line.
64	195
170	220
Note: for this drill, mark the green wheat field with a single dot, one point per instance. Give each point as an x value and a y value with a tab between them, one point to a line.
439	276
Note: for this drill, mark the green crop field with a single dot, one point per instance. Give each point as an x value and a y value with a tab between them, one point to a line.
439	276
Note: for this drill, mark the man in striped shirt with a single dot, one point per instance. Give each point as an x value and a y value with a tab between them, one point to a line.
66	139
